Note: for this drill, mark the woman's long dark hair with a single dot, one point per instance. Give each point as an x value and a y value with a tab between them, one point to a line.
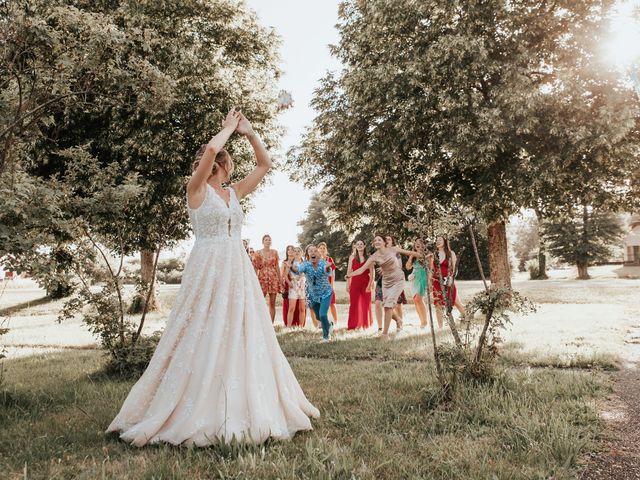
447	249
306	250
286	252
393	240
365	252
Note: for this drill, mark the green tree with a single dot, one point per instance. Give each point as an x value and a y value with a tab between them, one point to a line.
436	105
526	242
460	242
318	226
586	146
165	74
583	236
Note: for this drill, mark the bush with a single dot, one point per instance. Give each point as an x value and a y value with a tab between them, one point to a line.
534	269
174	277
170	270
131	361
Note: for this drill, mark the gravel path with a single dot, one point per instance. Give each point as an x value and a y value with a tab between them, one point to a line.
620	459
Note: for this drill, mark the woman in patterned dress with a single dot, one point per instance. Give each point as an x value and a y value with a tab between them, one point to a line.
266	261
294	304
318	272
218	373
324	255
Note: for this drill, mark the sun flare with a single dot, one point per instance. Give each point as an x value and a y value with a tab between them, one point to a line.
623	46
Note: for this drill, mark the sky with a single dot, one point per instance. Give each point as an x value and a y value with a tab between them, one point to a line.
306	28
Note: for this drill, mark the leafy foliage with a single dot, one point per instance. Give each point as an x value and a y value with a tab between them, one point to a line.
170	270
525	243
467	265
475	359
138	86
318	226
488	106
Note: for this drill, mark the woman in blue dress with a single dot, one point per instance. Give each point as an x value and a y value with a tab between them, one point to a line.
319	289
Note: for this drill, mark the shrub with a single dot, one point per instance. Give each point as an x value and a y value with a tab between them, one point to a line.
534	269
132	360
170	270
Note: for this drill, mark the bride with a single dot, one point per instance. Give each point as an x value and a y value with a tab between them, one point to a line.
218	372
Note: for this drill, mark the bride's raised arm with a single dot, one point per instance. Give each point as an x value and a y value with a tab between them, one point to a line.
263	162
205	164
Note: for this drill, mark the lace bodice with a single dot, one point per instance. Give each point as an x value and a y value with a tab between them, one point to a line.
214	219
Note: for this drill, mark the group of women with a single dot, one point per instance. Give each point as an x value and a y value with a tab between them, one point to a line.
306	280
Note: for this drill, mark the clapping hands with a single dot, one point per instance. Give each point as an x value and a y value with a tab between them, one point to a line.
244	126
232	119
235	119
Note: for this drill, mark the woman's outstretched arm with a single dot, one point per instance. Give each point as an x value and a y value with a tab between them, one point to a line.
263	162
201	174
407	252
363	268
409	264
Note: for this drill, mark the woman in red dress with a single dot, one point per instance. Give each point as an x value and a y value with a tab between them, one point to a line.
359	289
324	255
447	263
265	261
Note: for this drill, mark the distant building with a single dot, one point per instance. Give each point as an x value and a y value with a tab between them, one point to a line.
632	242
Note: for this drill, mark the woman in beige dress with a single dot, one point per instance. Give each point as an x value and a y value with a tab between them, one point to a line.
392	278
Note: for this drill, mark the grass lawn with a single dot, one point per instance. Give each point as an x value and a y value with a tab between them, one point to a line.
380	419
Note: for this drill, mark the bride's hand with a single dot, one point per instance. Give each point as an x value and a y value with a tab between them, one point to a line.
232	120
244	126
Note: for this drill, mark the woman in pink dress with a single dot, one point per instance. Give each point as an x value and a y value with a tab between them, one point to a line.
359	289
266	261
392	278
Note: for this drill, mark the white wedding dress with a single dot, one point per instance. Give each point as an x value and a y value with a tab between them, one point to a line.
218	372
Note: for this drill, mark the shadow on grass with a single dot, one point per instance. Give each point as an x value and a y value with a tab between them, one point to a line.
8	311
379	420
406	348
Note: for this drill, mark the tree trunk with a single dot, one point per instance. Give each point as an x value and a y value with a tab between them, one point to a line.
147	278
499	255
542	257
583	273
583	263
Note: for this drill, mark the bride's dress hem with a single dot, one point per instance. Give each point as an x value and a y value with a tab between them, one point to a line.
205	440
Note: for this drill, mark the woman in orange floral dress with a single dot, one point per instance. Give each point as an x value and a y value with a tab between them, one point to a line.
266	263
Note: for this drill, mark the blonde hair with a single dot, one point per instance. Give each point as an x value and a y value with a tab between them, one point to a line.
221	158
